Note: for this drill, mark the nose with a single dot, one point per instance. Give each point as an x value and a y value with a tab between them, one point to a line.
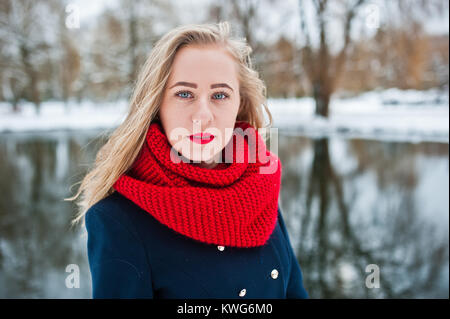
202	115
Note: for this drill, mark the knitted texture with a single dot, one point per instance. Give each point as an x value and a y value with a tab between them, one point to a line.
232	204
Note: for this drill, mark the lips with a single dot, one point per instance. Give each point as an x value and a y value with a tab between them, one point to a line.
201	138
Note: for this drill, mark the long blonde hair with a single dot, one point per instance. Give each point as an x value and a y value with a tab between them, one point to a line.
117	155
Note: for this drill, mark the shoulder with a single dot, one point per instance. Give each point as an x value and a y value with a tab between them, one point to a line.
282	223
114	204
117	257
111	213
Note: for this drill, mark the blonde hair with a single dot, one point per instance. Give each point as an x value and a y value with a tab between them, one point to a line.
117	155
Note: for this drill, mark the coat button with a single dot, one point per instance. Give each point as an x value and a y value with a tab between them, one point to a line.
242	293
221	248
274	274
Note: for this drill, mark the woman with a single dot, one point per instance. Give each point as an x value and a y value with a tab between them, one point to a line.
183	199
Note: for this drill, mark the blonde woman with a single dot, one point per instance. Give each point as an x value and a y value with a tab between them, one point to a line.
183	199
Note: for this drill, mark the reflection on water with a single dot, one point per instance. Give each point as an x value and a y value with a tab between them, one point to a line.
347	204
36	240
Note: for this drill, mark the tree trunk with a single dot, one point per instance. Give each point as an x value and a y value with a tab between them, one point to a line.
35	92
32	77
15	106
322	99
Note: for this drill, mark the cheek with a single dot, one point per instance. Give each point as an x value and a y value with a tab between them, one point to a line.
226	131
175	114
174	131
179	142
171	119
167	110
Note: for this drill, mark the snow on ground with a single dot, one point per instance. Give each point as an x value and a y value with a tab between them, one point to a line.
390	114
55	116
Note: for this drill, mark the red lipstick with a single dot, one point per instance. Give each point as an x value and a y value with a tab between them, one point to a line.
201	138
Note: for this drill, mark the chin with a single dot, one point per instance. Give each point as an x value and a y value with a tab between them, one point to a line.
199	158
202	154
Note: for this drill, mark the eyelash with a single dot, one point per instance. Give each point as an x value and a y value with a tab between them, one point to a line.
225	94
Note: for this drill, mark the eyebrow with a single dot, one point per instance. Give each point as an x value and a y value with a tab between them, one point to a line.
193	85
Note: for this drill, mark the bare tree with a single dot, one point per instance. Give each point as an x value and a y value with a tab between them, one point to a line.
25	28
121	40
245	12
322	68
246	17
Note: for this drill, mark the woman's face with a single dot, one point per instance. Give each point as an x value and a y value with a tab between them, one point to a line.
201	96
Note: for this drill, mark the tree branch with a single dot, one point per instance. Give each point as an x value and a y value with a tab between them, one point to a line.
351	13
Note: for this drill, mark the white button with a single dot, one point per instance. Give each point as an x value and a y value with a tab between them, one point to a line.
274	274
221	248
242	293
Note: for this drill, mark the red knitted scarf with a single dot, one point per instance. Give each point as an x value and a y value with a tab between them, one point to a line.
232	204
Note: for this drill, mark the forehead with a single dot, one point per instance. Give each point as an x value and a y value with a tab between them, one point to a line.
203	64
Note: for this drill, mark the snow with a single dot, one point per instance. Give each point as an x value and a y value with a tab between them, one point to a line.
391	114
55	116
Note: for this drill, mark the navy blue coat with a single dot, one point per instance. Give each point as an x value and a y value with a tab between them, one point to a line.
133	255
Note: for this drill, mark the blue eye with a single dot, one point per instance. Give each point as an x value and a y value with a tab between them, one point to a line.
185	94
221	93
